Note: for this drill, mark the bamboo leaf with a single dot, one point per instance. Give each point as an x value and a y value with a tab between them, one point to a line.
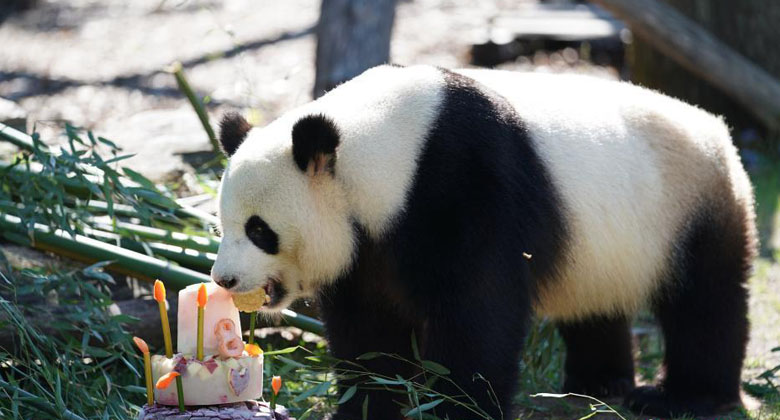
383	381
434	367
320	389
416	411
369	356
348	394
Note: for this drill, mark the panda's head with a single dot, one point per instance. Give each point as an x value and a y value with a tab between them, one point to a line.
286	225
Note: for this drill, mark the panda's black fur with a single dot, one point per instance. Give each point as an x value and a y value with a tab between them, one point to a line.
232	132
458	271
453	269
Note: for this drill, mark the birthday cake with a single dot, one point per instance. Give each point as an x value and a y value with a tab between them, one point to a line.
213	370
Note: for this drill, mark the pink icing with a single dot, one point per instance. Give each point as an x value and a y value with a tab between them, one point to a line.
179	364
209	364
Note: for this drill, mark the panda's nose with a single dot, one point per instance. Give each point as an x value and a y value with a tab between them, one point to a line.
227	282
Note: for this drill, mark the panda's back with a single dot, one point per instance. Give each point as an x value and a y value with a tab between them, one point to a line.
630	170
634	170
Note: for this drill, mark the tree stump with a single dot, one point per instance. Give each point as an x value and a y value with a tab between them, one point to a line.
238	411
352	36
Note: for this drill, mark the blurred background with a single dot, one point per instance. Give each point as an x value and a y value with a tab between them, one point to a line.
100	64
108	66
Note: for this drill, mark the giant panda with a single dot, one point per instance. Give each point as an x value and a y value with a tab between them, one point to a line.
456	204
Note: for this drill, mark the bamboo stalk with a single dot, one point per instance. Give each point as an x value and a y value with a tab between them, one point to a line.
187	257
175	276
198	243
303	322
131	263
196	103
18	138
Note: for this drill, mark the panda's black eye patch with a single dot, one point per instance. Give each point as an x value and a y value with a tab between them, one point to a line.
258	231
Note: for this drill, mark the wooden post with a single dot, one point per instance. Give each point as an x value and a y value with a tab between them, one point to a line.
696	50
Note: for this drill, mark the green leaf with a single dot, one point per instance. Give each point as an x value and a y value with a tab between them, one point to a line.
137	177
97	352
416	411
307	413
369	355
135	389
108	143
384	381
118	158
320	389
282	351
434	367
348	394
415	350
549	395
291	362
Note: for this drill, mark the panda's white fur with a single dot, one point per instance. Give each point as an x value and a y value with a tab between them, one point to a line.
383	117
611	148
632	165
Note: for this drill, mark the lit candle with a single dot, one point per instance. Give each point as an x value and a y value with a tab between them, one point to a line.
203	297
159	296
147	369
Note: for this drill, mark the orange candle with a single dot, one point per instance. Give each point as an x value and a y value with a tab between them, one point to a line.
159	296
166	380
147	369
203	297
276	385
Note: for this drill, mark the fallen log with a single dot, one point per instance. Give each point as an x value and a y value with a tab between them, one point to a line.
698	51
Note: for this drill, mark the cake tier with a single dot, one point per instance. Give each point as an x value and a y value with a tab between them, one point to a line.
238	411
211	381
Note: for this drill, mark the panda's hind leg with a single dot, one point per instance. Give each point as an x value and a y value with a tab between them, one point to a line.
703	315
599	360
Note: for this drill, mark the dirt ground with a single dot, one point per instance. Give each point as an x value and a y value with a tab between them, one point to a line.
100	64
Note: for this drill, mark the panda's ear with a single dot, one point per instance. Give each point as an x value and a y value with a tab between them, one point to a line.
315	139
232	132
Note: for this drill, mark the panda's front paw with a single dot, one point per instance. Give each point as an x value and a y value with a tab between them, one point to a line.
598	387
654	401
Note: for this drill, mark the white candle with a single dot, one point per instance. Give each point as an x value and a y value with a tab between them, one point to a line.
220	306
